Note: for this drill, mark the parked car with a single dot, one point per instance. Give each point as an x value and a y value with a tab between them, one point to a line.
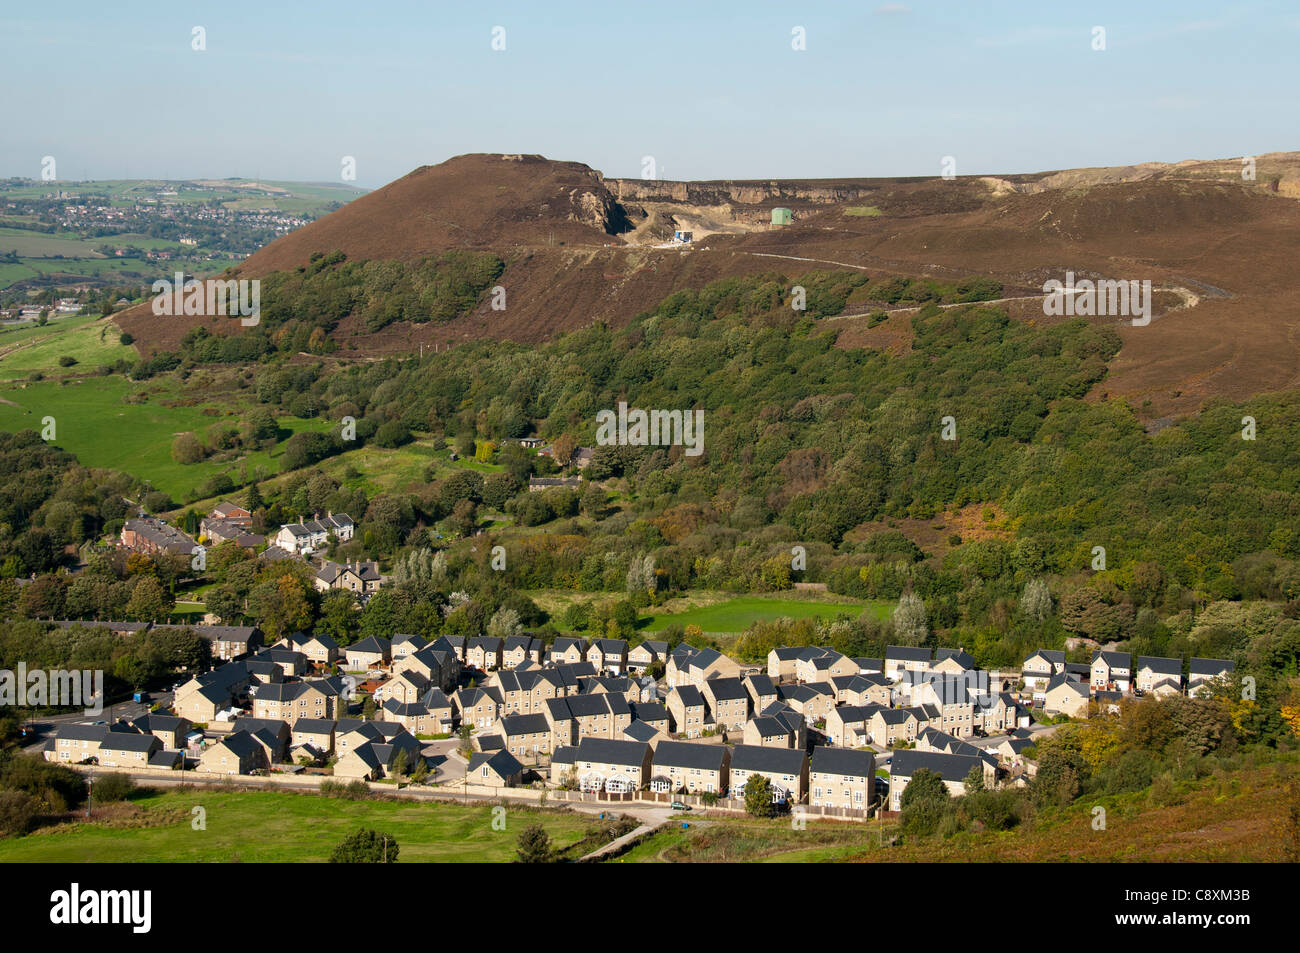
680	806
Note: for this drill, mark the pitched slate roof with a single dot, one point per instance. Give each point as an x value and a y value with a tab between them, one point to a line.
525	724
1114	659
843	761
610	751
1161	666
502	762
1065	678
82	732
690	695
1210	666
682	754
371	644
726	689
763	685
960	656
639	731
907	653
949	767
314	726
649	711
241	743
764	758
156	722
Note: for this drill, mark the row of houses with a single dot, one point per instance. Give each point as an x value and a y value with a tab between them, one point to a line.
830	777
1063	687
227	641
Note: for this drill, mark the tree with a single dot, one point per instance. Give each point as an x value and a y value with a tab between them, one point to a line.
924	785
149	602
223	602
534	846
910	623
187	449
1036	602
758	797
563	449
365	846
505	623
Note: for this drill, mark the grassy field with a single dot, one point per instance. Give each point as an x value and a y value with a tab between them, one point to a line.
91	341
33	244
95	421
738	613
273	826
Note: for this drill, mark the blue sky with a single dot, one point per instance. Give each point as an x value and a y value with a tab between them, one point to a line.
710	90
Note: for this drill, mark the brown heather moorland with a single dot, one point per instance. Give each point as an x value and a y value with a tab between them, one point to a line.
580	248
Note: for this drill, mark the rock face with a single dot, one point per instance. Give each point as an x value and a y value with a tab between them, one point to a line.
767	195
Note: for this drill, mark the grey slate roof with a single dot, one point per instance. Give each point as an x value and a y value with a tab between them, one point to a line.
950	767
764	758
682	754
843	761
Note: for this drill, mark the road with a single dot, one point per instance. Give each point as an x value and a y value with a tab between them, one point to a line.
43	725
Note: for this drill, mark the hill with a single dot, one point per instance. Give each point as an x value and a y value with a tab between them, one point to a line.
579	248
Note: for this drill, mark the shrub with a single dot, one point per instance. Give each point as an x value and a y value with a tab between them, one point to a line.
534	846
17	810
365	846
109	788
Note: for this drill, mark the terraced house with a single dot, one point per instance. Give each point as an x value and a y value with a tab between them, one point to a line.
1159	675
1112	671
817	664
604	764
525	736
689	711
289	701
679	766
575	717
518	649
778	726
608	655
850	725
525	691
785	768
1038	669
1203	672
479	707
309	536
905	658
727	700
841	778
568	650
